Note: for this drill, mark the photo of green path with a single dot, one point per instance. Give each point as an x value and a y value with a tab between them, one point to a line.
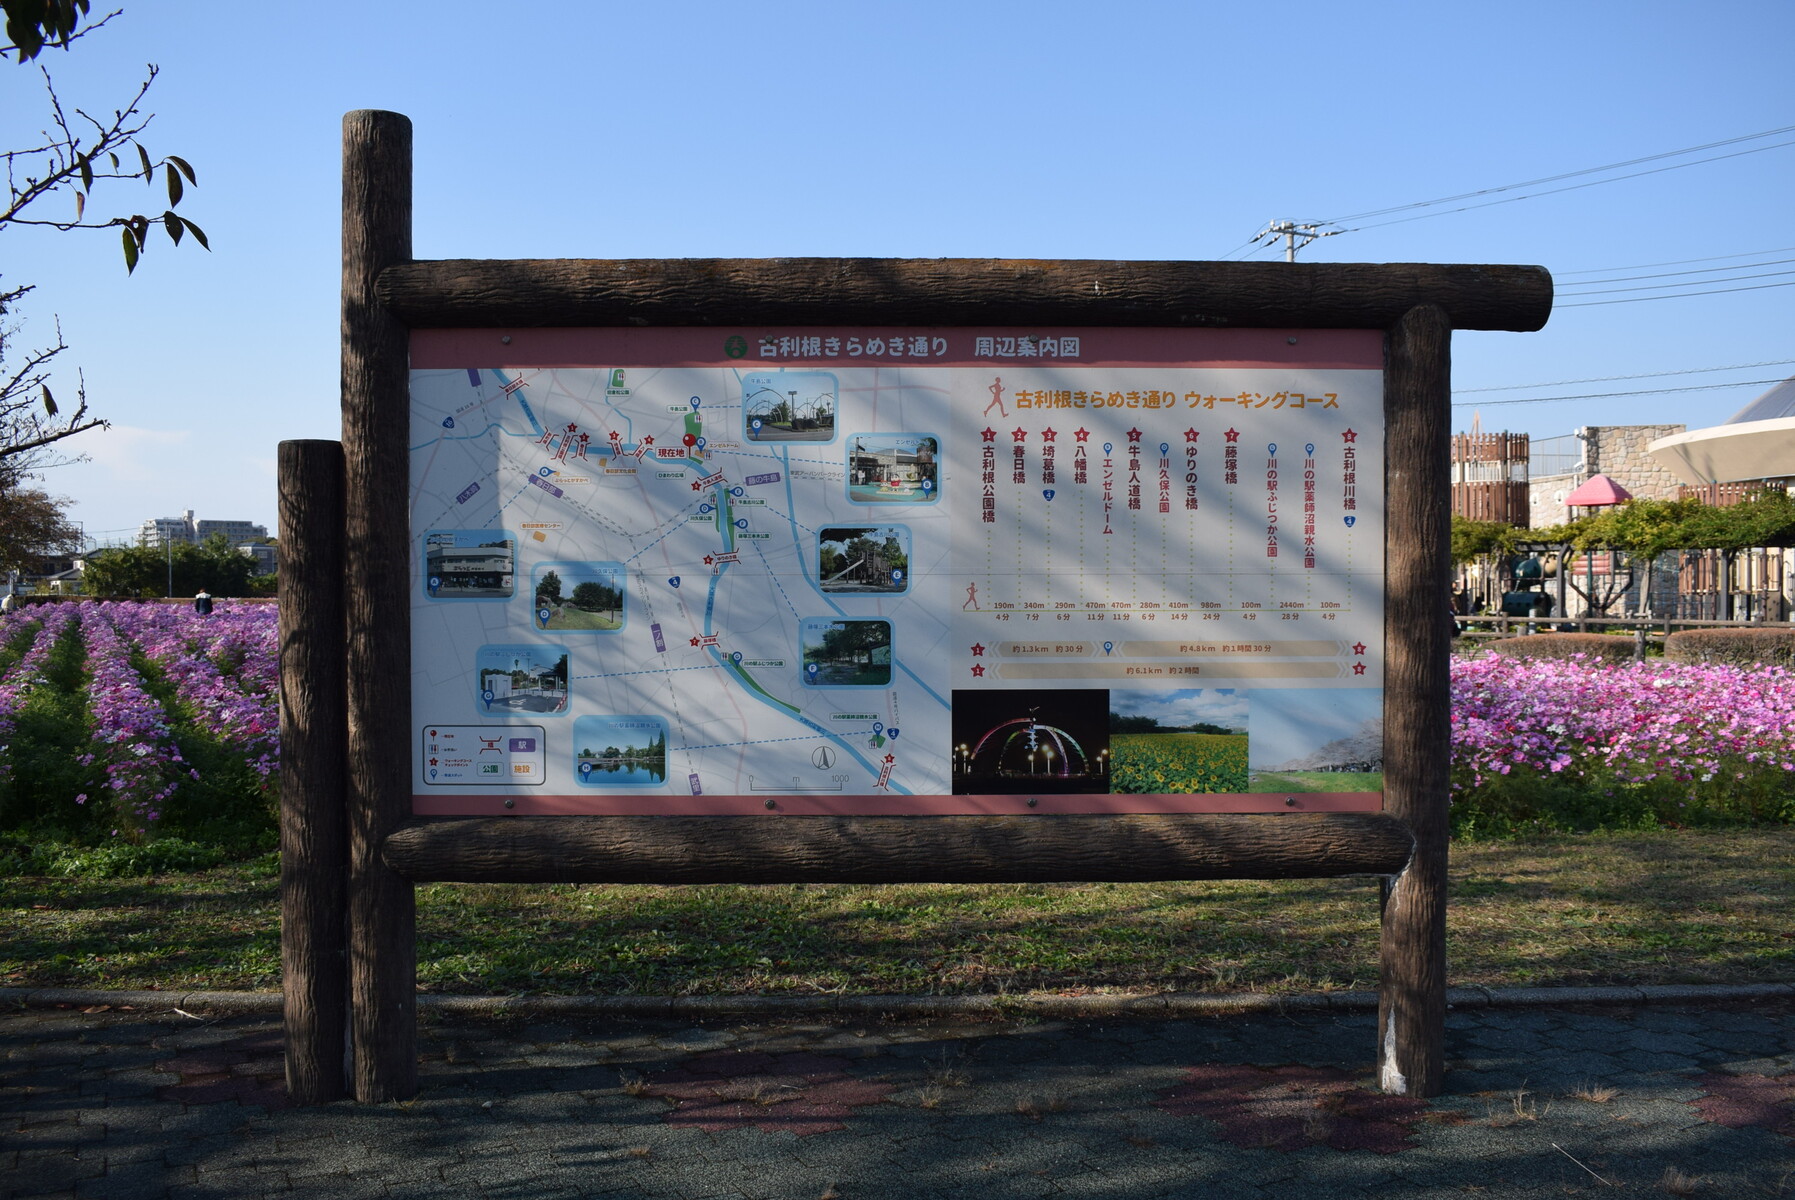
578	596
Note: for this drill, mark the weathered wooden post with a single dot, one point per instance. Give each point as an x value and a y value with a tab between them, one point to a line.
382	907
313	734
1417	698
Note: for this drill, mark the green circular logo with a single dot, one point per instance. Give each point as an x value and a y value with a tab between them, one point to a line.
735	345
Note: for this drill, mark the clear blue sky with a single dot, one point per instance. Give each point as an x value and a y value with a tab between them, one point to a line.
1122	130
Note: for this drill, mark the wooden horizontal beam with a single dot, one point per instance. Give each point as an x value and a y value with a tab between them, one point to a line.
947	849
542	293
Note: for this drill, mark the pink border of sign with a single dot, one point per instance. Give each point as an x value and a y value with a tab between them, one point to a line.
886	806
687	346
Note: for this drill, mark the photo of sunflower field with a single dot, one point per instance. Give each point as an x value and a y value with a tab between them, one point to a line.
1192	741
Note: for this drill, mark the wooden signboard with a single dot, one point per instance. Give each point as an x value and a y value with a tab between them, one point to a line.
914	690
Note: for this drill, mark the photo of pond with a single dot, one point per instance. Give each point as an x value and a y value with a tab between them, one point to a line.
620	751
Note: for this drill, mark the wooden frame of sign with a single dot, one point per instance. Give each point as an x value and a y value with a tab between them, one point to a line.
352	849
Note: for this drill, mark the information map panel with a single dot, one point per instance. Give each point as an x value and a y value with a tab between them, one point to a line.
868	570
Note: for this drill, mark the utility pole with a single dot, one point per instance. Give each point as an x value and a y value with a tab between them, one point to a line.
1292	230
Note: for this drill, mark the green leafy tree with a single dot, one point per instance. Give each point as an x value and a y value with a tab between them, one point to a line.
33	527
854	641
1472	540
180	569
596	597
548	589
1642	529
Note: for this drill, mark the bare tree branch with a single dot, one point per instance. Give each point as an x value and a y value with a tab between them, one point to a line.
72	155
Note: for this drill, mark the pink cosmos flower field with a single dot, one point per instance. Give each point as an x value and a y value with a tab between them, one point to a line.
1656	742
1671	739
154	675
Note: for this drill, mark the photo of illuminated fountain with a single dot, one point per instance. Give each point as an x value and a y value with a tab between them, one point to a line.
1030	741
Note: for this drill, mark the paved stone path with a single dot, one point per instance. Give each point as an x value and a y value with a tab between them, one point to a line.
1652	1101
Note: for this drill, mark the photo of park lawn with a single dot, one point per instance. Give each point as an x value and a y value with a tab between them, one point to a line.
579	596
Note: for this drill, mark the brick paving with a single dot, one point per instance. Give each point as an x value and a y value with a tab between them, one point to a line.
1665	1099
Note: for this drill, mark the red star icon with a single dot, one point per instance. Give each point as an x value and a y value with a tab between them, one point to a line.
696	486
615	435
1191	435
1018	434
433	762
1233	435
572	428
1350	436
1134	435
708	560
1358	647
1048	434
989	434
1083	435
978	649
978	669
694	641
648	441
890	758
1358	668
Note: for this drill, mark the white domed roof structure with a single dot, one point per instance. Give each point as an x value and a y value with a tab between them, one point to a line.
1757	442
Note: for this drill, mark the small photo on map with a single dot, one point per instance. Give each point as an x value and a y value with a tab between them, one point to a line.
517	680
1315	740
894	468
470	564
620	751
838	653
580	596
863	558
1191	741
1031	740
789	406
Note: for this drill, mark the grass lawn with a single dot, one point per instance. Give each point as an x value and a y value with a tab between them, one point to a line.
1316	781
1674	907
570	617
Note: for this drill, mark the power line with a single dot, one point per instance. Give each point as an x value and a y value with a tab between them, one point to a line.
1659	287
1632	162
1668	274
1675	262
1699	387
1756	287
1522	387
1315	227
1555	191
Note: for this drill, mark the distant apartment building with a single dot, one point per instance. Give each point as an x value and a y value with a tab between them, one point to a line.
160	531
267	557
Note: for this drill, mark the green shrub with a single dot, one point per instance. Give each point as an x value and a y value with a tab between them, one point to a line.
1609	647
21	856
1732	647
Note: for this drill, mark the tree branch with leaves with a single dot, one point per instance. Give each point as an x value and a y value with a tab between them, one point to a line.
76	154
